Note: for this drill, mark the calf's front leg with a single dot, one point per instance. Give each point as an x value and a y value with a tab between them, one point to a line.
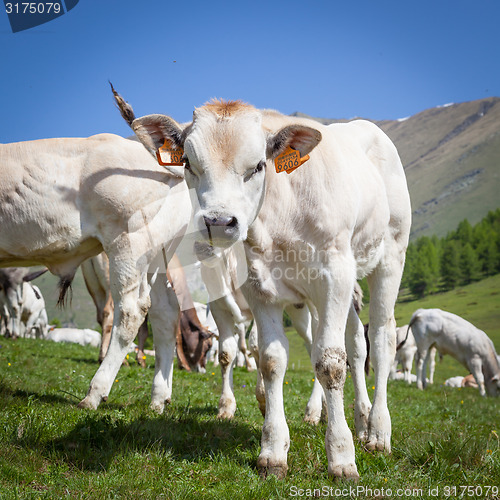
273	359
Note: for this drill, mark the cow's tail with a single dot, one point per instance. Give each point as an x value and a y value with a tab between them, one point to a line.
64	286
32	276
125	108
403	342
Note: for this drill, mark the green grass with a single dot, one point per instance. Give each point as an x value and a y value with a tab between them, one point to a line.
50	449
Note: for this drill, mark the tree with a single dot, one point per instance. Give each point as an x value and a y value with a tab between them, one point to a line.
469	264
450	265
425	273
464	232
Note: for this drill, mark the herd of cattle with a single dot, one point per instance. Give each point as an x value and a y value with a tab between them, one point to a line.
119	209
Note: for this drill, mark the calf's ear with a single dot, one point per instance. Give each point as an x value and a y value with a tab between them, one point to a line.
152	130
299	137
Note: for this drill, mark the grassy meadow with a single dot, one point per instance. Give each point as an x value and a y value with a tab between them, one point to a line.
442	437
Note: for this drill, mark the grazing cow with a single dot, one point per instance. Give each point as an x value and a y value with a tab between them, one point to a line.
193	338
308	236
83	336
455	336
405	352
65	200
95	273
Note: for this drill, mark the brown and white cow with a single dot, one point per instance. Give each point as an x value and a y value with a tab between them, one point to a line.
342	215
95	273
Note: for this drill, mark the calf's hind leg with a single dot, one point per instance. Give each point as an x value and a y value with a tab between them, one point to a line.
163	315
384	287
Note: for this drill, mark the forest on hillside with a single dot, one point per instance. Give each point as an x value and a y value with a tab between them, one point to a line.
468	254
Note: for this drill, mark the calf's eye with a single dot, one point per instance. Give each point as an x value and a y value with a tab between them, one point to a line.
256	170
187	166
259	167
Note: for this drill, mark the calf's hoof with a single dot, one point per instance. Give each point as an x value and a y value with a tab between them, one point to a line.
225	414
363	436
89	403
268	467
159	406
349	472
380	443
227	408
312	417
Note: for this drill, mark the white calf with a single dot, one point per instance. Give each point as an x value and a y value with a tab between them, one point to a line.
308	236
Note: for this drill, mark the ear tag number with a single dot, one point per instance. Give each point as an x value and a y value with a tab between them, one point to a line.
169	155
289	160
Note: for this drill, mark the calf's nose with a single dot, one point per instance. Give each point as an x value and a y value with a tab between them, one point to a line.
220	221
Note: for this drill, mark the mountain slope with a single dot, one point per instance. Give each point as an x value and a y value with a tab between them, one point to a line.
451	156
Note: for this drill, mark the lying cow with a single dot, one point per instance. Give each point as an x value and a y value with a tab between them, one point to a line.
84	336
65	200
460	381
455	336
308	236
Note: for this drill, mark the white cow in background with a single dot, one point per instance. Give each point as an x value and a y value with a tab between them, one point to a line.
65	200
29	306
12	280
308	236
460	381
34	319
455	336
84	336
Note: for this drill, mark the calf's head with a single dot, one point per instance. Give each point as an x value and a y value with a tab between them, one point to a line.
227	151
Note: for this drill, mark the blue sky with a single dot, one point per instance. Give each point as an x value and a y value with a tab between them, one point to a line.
380	59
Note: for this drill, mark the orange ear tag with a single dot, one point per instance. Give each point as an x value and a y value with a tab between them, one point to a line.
289	160
169	155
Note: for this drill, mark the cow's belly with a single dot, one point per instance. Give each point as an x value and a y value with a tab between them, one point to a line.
285	276
42	233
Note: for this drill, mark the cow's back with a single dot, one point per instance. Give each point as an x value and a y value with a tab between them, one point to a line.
353	185
56	195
